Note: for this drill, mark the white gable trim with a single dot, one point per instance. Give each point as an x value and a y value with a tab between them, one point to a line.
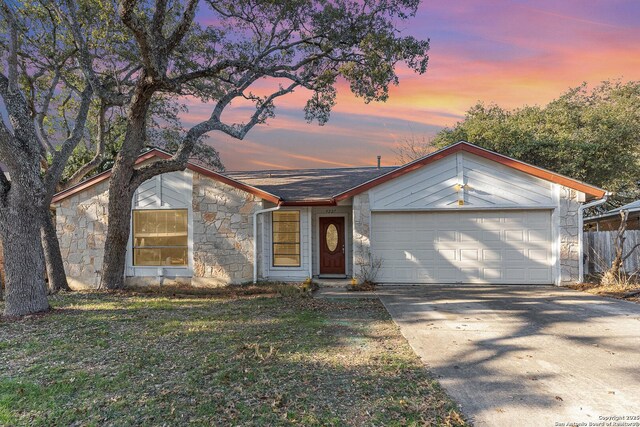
474	181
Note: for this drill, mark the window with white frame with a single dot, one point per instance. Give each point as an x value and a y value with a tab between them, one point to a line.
286	238
160	237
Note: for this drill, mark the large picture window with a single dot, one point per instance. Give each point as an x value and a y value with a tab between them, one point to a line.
286	238
160	237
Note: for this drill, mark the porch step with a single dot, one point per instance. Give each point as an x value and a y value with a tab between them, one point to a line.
332	283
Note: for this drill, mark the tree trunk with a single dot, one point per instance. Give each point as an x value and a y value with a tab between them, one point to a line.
53	257
121	191
25	291
613	275
118	230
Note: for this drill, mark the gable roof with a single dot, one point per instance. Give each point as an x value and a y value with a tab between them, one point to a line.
161	154
482	152
308	187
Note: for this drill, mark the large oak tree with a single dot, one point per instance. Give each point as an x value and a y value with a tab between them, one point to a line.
46	102
160	50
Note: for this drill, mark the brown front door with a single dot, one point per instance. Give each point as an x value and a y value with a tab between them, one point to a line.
332	245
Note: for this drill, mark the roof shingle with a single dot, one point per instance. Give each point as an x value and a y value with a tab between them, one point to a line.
308	184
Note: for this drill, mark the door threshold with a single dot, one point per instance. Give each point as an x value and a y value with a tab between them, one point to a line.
332	276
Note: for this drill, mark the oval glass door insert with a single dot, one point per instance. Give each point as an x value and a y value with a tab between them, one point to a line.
332	237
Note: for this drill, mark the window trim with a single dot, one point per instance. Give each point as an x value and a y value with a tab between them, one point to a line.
187	265
274	243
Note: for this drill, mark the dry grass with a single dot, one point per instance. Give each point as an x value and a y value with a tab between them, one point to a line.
629	291
362	287
234	357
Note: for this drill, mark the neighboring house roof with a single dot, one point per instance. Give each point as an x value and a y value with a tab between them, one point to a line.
630	207
329	186
309	185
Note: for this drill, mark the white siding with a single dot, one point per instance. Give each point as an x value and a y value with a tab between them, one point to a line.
487	184
170	190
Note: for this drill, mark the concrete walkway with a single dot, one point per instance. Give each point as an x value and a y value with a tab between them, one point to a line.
525	355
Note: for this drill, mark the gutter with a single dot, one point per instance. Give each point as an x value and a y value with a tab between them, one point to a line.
312	202
581	233
610	214
255	239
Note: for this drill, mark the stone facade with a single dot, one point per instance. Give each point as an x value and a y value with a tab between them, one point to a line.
569	249
222	233
81	224
361	232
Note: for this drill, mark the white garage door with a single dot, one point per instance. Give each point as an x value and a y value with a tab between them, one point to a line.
463	247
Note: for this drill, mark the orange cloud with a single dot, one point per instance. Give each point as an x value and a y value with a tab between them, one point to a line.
510	53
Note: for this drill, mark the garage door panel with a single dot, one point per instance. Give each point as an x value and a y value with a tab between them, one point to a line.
538	255
444	236
491	274
448	254
514	255
469	254
463	247
540	274
515	274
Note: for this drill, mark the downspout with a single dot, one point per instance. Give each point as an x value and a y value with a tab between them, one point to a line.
581	233
255	239
310	242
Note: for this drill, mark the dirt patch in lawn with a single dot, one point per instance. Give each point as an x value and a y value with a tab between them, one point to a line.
628	292
136	359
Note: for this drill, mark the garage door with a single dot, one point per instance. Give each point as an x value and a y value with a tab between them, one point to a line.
508	247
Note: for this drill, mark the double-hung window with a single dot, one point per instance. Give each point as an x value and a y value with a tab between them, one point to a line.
160	237
286	238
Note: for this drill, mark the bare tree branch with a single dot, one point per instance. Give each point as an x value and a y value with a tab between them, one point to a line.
13	46
180	158
630	252
157	23
181	29
40	115
85	58
62	155
97	158
23	129
137	27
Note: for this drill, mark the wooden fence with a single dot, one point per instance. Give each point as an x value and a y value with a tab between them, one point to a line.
600	250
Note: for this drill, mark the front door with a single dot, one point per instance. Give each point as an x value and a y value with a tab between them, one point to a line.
332	245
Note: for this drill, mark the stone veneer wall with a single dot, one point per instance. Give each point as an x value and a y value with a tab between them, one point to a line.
361	231
81	224
222	233
569	249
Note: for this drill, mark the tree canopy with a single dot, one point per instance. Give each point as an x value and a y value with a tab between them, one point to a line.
137	54
590	135
112	76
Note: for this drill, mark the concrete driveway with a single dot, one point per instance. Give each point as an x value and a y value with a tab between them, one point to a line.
526	355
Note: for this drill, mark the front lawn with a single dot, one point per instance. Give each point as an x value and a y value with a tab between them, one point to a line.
133	359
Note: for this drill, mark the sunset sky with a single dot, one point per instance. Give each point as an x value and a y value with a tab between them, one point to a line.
508	52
